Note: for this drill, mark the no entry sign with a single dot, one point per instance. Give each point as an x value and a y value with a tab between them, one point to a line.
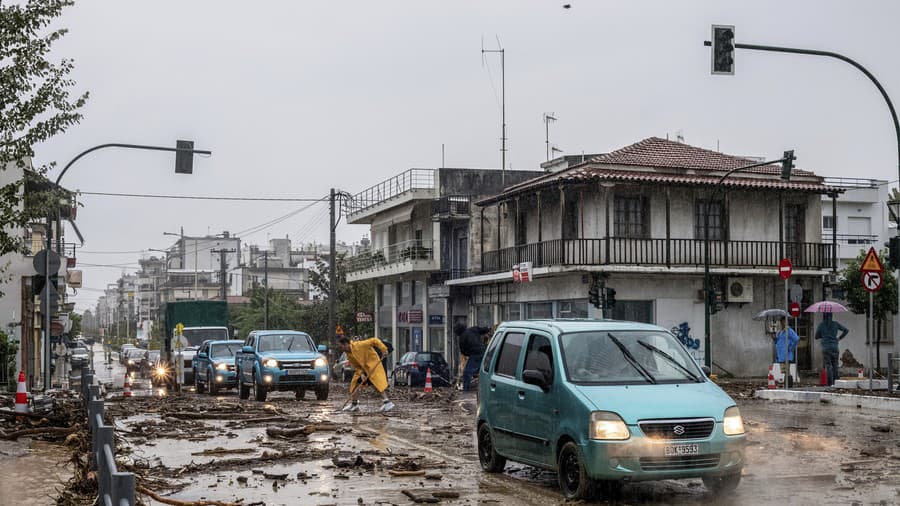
794	309
785	268
871	281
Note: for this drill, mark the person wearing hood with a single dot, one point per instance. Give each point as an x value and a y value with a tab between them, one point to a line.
471	345
365	357
827	332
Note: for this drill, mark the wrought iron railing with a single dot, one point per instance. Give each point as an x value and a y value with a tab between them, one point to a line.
450	206
400	252
658	252
412	179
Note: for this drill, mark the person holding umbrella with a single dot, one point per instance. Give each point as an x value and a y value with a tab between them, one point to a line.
785	344
827	332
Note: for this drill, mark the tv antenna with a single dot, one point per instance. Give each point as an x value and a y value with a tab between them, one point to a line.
548	117
502	53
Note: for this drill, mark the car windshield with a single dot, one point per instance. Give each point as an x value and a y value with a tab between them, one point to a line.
627	356
195	337
284	342
80	351
223	350
430	357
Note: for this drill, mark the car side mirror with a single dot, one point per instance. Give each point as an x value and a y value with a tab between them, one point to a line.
202	354
322	348
706	370
535	378
247	349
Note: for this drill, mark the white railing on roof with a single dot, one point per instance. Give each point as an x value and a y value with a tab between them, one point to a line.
412	179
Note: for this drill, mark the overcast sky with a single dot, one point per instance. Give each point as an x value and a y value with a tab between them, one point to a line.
294	98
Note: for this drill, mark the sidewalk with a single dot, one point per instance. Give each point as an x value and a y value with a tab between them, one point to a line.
859	398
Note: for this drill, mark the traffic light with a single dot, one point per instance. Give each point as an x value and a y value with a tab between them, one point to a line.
712	301
723	49
894	252
184	157
594	295
787	165
610	298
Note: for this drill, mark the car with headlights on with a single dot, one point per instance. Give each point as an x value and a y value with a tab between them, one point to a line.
279	360
134	357
603	402
213	366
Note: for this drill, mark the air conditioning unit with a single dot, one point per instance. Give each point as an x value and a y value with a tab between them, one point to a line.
831	279
739	290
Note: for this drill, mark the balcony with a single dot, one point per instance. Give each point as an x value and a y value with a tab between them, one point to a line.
450	207
413	184
399	258
659	252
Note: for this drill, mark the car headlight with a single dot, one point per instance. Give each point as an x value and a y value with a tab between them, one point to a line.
222	366
732	422
160	371
130	362
321	362
609	426
270	362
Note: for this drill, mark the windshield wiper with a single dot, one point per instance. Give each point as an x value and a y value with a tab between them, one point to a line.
290	343
671	359
631	360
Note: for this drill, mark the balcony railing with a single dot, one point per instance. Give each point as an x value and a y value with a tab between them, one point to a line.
658	252
850	238
412	179
400	252
450	207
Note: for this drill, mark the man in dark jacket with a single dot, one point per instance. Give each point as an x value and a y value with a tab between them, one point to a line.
471	345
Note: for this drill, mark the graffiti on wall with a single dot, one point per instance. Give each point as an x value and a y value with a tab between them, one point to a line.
683	332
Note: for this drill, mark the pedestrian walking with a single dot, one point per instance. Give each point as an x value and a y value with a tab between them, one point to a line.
365	357
827	333
785	344
471	346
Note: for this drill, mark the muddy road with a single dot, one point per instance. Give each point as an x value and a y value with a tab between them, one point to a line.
192	446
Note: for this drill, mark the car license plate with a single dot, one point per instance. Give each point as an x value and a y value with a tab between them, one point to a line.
679	450
294	372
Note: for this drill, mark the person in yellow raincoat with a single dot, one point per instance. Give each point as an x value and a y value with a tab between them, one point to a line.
365	357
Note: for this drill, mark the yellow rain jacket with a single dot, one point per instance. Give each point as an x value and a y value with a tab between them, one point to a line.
365	359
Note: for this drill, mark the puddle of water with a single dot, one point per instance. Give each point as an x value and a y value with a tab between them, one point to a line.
32	473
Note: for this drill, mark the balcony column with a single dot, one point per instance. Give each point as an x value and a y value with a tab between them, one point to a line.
499	218
834	253
516	239
723	226
426	335
668	231
780	226
606	206
376	314
540	226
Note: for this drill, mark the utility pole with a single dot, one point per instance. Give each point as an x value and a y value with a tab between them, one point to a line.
502	107
331	271
223	269
266	284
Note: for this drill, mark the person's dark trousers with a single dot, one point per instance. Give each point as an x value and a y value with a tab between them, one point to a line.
830	357
472	364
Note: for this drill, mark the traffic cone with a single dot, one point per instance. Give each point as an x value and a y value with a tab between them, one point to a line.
823	378
21	396
860	374
771	385
428	381
127	392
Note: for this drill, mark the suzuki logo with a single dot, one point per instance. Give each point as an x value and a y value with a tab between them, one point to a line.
678	430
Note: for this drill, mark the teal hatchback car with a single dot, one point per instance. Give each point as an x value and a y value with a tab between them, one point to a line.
604	402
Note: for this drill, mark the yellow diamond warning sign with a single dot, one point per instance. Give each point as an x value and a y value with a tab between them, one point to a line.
872	263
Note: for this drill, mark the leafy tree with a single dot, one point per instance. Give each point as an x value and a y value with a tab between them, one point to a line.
284	312
35	105
8	350
351	297
884	300
76	324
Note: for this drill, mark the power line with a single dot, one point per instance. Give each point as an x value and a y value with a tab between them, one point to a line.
202	197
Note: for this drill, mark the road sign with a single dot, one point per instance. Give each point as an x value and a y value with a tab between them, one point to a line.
872	263
785	268
179	329
339	331
796	293
872	281
364	317
40	262
794	309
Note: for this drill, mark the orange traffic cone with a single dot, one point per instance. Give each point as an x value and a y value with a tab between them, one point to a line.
21	395
823	378
771	385
860	374
127	392
428	381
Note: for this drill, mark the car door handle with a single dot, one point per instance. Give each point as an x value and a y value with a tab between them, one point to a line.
522	395
493	386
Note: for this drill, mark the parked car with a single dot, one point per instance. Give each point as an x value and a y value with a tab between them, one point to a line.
214	366
149	363
604	401
281	360
343	369
413	367
79	357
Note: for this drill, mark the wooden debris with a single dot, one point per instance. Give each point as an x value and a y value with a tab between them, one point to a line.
420	498
43	431
420	472
224	451
175	502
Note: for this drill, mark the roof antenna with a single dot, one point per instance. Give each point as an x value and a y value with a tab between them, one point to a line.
548	117
502	53
679	137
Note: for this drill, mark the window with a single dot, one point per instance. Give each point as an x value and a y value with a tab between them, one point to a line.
509	355
521	224
859	230
632	217
539	357
540	310
573	309
489	355
386	295
633	311
570	220
484	315
717	229
794	220
405	293
512	312
828	222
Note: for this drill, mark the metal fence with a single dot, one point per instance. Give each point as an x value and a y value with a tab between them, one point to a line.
115	488
412	179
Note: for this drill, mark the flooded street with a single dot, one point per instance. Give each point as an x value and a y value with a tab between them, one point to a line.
193	447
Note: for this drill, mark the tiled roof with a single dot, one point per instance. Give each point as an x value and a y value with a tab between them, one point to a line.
661	161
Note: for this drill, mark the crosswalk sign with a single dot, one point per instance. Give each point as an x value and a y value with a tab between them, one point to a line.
339	331
872	263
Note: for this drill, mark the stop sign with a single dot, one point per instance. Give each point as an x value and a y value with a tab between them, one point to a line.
785	268
794	309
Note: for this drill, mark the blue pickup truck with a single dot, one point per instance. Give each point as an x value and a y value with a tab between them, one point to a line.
213	366
279	360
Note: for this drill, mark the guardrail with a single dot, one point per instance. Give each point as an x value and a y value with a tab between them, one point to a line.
115	488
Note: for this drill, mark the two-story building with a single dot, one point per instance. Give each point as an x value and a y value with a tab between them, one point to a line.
422	230
635	217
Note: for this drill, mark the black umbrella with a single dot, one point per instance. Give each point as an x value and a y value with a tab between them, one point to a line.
771	313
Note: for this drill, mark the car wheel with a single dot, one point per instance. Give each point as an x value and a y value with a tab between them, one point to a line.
490	460
211	384
722	484
197	385
259	391
574	481
299	394
322	393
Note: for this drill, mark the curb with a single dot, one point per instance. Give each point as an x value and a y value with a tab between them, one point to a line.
854	401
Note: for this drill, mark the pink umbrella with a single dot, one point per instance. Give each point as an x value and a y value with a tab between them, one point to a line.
826	306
